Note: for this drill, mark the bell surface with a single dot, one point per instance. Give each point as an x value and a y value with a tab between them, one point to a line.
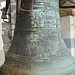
38	47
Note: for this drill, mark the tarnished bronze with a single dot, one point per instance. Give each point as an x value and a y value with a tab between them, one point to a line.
38	47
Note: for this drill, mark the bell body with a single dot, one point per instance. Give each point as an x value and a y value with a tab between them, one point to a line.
38	47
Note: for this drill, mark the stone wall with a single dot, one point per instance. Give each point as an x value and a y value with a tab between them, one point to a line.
68	25
68	11
68	28
8	29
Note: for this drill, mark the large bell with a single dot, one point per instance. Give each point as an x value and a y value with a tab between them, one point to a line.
38	47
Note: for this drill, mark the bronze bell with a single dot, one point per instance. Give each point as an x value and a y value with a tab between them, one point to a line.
38	47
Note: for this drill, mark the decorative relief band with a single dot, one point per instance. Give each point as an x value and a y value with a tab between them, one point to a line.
40	30
25	58
46	5
35	59
56	1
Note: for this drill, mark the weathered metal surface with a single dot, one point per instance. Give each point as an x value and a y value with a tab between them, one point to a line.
38	47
